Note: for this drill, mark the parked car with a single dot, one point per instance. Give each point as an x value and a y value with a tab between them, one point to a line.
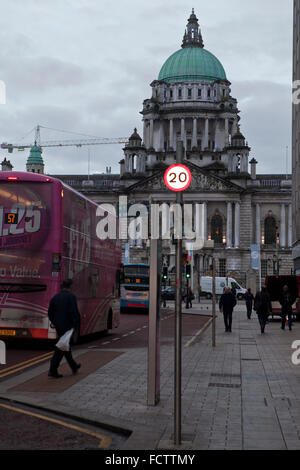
221	283
169	293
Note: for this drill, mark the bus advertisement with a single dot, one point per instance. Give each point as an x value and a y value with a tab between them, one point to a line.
134	287
48	234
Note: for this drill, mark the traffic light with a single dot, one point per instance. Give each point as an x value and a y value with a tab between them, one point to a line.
188	271
165	272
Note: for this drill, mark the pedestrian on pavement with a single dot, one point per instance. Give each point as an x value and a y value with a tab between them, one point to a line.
249	298
263	307
226	305
286	301
189	297
63	314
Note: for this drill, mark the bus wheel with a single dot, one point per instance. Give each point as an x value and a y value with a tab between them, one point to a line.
208	296
109	320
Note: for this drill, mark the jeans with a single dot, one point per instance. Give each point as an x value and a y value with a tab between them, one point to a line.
249	311
283	320
227	320
58	355
262	321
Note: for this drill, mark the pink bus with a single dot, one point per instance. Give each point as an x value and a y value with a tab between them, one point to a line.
47	234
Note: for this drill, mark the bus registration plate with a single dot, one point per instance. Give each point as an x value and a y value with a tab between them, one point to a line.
7	332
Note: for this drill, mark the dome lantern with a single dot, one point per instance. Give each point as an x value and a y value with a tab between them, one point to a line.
192	36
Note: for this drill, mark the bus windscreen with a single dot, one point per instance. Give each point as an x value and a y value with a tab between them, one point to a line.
25	226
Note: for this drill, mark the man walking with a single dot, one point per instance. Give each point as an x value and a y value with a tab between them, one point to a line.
249	298
286	301
63	314
226	305
263	307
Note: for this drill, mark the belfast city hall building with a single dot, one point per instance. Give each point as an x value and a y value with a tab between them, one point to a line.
191	101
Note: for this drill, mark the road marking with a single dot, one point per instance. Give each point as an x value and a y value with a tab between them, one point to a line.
25	362
105	441
18	369
193	339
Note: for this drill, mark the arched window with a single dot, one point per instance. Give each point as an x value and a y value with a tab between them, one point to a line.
217	228
270	230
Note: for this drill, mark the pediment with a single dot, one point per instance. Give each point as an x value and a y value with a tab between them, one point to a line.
202	181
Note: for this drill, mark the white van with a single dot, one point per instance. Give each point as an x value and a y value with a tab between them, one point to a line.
221	282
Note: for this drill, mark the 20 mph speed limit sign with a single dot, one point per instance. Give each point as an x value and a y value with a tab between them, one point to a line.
178	178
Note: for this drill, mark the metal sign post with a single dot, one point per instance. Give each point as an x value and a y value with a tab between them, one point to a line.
178	178
214	303
178	319
153	395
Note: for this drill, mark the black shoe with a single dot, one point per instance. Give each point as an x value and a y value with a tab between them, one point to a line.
76	369
55	376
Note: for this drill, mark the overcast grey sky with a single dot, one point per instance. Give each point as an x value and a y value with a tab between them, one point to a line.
86	66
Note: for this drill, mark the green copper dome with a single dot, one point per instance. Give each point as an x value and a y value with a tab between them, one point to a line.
35	156
192	64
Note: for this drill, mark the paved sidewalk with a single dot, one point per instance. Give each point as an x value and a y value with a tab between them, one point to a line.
244	394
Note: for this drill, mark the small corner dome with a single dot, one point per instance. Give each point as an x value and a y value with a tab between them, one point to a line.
35	156
135	135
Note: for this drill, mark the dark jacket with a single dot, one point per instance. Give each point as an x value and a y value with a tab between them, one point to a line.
249	298
227	302
63	311
286	301
262	303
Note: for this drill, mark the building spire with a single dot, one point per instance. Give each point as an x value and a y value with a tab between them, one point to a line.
192	36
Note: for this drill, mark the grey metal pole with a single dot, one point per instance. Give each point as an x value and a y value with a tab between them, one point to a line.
214	303
178	314
153	389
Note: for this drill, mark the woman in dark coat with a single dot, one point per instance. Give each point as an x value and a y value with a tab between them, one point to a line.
263	307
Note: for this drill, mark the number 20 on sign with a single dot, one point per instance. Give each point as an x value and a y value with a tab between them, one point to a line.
178	178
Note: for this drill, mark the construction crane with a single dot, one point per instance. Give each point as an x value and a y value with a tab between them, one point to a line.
64	143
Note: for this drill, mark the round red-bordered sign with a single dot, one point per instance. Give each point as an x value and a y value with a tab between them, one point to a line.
178	178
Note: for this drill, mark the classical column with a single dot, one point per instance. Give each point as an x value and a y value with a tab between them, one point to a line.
205	221
182	134
151	133
161	135
194	137
145	133
205	141
258	226
226	131
290	226
171	134
237	225
130	164
200	220
283	227
201	266
229	225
